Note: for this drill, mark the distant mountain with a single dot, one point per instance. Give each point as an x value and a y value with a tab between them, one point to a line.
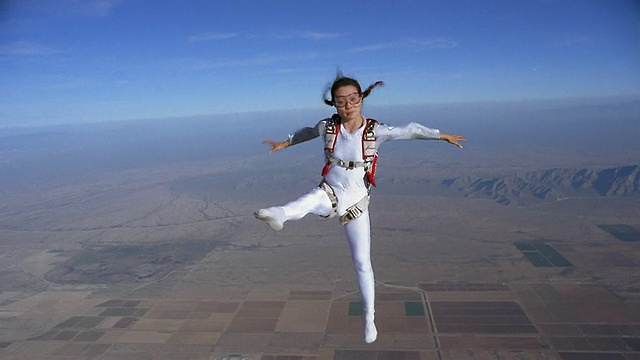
540	186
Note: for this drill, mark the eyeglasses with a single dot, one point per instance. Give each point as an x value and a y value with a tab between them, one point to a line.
353	99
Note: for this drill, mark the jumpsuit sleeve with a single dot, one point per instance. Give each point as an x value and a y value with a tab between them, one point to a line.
307	133
407	132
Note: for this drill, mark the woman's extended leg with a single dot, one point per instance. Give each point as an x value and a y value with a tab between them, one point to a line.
314	202
359	235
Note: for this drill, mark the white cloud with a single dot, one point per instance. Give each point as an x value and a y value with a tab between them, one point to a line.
259	60
312	35
197	64
205	37
89	8
72	84
25	48
96	7
319	35
574	39
408	43
373	47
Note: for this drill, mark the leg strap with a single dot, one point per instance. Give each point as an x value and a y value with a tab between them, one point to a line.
332	197
354	211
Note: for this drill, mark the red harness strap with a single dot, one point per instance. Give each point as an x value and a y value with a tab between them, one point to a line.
368	140
333	128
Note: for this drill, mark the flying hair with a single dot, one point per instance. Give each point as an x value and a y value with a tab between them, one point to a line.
341	81
371	87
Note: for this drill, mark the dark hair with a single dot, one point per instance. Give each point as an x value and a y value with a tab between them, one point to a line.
341	81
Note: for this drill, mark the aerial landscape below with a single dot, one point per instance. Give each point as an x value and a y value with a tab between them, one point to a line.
135	240
166	168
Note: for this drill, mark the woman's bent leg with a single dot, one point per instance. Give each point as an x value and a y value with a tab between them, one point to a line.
314	202
359	235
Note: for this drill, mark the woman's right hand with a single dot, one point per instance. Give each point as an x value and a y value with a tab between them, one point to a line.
276	145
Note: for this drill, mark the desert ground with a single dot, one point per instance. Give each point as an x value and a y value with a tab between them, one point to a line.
136	249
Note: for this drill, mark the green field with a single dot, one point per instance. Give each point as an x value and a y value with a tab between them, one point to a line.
542	255
621	231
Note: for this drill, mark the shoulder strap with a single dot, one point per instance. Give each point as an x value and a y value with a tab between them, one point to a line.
369	152
331	133
369	140
332	129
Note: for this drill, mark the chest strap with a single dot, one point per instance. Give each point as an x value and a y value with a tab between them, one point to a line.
347	164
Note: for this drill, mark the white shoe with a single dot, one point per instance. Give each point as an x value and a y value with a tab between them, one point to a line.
273	216
370	331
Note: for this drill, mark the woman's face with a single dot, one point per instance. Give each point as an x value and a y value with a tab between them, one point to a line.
348	102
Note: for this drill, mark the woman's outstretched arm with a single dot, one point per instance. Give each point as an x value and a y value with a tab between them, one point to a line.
416	131
302	135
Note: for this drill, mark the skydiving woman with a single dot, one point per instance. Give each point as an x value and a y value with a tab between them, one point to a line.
351	150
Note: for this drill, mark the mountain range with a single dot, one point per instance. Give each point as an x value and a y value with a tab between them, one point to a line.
552	184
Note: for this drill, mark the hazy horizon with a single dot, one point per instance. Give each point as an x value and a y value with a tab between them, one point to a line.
525	135
623	106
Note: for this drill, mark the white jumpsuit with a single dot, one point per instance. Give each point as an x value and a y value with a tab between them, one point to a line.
349	187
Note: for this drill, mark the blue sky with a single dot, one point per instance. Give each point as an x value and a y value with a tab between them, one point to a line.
69	61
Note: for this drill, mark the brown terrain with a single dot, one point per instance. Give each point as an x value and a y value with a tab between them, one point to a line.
490	252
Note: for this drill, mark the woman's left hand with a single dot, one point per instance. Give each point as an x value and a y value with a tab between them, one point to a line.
275	146
453	139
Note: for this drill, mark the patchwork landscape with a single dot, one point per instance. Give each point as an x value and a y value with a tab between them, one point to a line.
138	241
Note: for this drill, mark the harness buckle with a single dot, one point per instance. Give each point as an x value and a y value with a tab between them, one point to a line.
351	214
354	211
351	166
